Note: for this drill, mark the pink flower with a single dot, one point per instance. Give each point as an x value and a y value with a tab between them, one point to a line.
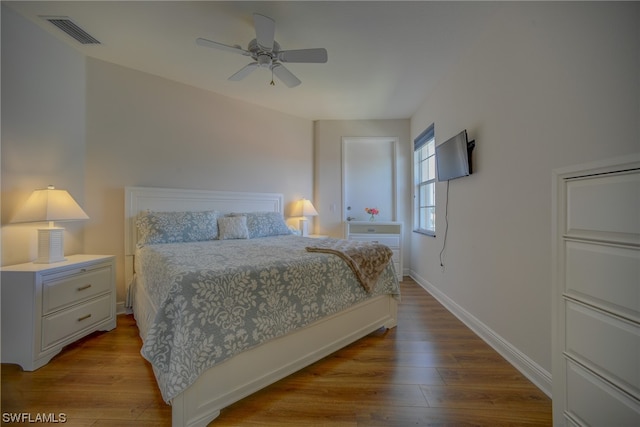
372	211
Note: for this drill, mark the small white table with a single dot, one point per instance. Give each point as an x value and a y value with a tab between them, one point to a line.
47	306
385	232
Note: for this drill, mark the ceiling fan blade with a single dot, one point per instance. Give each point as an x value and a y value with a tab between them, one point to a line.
244	72
304	55
285	75
216	45
265	31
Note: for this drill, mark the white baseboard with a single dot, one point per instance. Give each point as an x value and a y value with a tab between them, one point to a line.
121	309
534	372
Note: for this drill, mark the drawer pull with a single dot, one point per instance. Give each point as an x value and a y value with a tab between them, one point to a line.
82	288
85	317
83	270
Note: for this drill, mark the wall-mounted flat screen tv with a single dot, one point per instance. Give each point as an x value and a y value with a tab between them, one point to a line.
453	157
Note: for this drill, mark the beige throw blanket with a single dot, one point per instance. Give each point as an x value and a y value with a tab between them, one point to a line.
367	260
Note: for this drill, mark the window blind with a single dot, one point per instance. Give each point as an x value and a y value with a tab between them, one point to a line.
426	136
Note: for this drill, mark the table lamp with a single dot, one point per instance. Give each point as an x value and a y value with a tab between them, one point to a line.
50	205
304	209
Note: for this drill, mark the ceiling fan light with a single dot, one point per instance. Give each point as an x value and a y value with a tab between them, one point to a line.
264	61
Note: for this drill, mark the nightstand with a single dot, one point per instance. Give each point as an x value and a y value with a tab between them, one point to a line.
47	306
386	232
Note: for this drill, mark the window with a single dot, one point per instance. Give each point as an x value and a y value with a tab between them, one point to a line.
424	172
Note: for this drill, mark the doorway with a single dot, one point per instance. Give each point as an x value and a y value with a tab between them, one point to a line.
369	177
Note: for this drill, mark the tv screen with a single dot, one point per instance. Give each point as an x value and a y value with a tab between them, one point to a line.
453	157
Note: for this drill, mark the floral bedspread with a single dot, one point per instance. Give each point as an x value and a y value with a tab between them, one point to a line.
215	299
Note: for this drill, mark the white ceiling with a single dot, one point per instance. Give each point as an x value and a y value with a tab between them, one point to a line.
384	56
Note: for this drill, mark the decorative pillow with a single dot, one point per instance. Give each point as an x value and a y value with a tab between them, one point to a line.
233	227
264	224
174	227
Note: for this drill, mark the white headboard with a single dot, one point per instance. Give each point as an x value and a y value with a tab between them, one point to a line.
140	199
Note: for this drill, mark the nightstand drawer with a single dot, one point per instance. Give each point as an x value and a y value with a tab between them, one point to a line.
62	325
68	290
391	241
373	228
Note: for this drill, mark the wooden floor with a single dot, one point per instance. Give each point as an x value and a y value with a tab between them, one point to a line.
430	370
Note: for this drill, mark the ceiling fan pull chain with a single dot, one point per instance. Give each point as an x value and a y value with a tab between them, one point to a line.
272	82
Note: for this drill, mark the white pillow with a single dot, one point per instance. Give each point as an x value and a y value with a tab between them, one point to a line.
233	227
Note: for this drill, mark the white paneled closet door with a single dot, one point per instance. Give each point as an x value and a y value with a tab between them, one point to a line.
596	298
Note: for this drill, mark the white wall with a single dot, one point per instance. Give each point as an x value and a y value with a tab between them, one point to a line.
145	130
544	86
43	129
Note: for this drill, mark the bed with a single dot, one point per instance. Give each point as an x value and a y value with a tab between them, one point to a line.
255	351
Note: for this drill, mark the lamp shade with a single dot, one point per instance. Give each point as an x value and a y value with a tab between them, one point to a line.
50	204
305	208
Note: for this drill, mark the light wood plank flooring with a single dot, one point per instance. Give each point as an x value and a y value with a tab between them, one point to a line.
430	370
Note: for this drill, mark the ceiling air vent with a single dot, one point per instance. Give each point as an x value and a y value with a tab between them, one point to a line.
70	27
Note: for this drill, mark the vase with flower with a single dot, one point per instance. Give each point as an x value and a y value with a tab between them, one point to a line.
373	212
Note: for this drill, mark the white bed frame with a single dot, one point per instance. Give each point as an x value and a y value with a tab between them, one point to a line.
254	369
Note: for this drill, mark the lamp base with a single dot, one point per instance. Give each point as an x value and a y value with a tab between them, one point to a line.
304	227
50	245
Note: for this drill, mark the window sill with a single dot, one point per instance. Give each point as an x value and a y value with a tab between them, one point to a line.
425	233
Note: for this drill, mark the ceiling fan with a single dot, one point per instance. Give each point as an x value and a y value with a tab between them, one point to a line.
266	53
